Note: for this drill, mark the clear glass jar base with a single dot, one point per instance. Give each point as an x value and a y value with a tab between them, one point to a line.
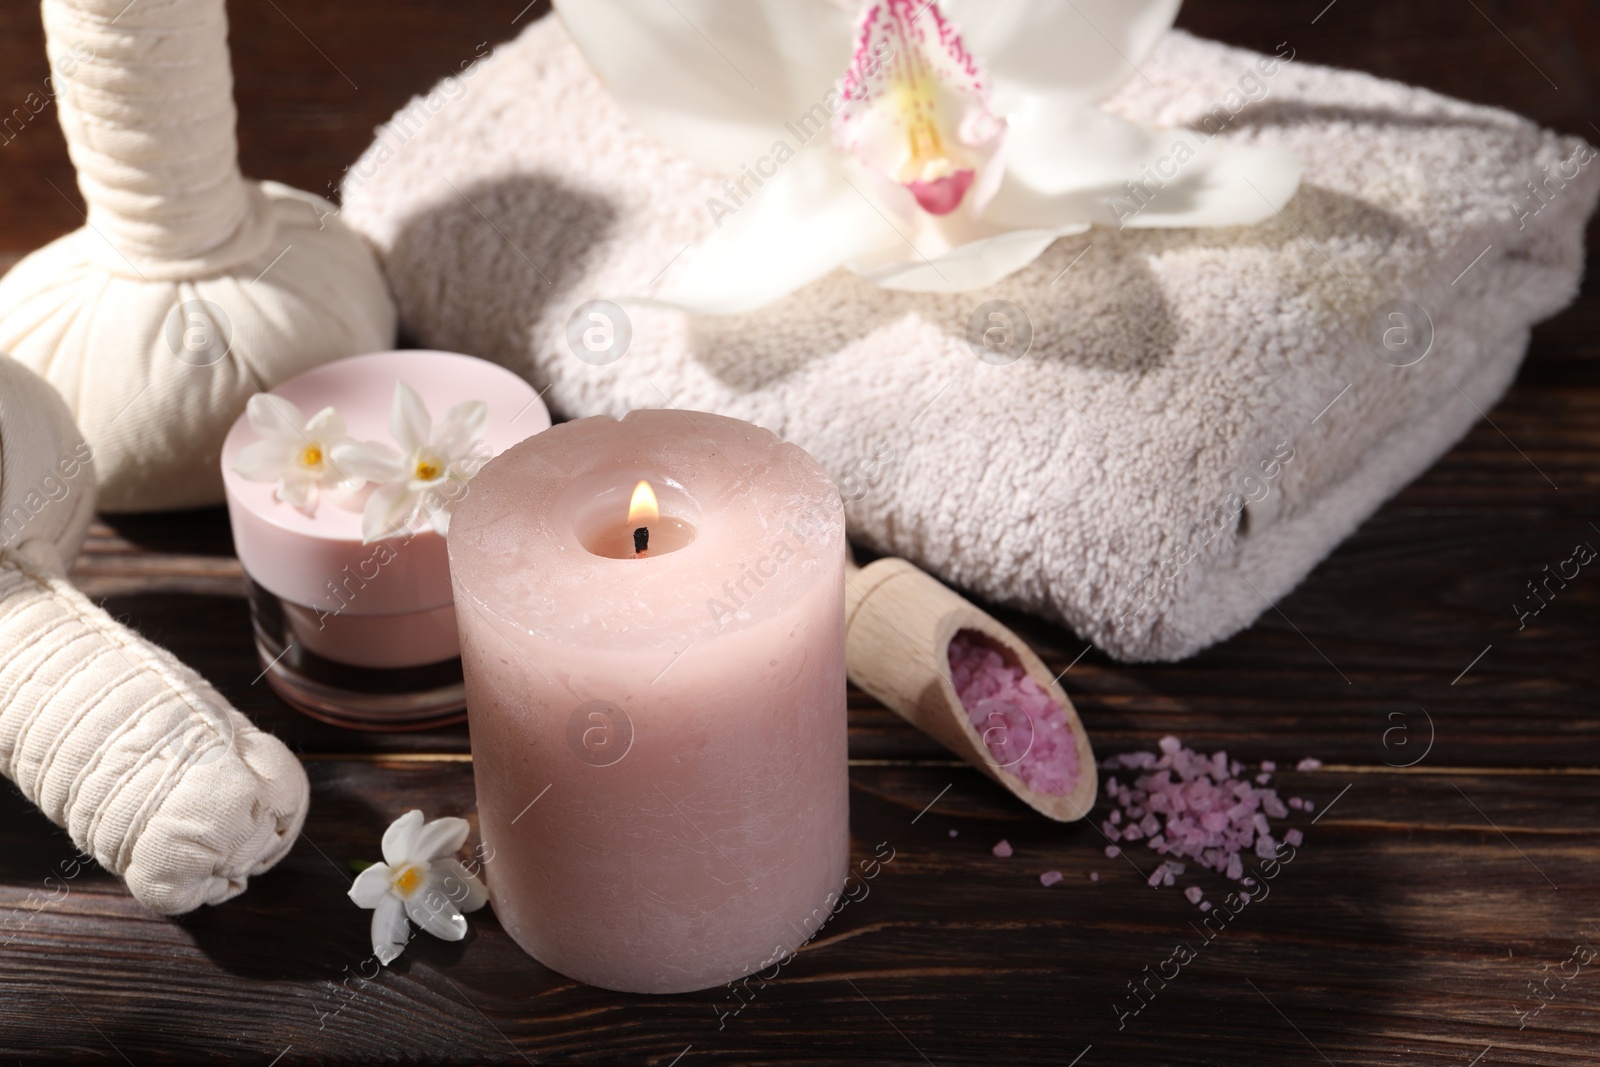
358	698
444	706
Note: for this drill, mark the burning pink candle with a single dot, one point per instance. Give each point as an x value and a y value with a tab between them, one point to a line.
656	689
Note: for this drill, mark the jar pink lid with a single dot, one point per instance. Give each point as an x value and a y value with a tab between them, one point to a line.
319	560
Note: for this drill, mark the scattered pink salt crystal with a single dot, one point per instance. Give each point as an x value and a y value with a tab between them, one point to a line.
953	833
1294	837
1309	764
1094	876
1050	878
1194	894
1311	805
1112	852
1297	804
1187	806
1025	730
1002	850
1205	905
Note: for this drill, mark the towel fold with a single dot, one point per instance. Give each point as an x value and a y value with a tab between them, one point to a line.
1202	414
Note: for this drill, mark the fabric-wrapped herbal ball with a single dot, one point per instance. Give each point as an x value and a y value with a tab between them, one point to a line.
189	288
148	768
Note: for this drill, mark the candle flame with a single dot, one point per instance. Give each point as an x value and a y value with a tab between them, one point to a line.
643	509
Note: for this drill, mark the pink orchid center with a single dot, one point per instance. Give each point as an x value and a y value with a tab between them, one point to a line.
942	195
916	104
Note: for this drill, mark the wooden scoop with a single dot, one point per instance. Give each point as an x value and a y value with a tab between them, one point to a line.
898	626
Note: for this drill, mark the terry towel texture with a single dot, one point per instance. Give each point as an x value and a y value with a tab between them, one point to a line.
1203	414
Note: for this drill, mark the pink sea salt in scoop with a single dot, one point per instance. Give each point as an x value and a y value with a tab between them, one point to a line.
910	641
1025	730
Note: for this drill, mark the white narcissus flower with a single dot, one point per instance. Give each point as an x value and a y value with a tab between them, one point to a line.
417	484
419	879
296	452
929	145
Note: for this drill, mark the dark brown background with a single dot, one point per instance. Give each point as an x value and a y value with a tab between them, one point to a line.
1407	930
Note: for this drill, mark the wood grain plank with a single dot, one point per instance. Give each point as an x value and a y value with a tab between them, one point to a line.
1404	930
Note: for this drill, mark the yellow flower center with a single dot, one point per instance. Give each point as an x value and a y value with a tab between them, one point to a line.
427	469
311	457
407	879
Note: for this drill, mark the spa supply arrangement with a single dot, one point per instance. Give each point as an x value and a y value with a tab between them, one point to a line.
840	306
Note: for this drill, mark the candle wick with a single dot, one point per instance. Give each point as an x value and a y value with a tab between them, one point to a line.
641	542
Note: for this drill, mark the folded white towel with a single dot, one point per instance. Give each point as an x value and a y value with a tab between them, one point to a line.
1203	415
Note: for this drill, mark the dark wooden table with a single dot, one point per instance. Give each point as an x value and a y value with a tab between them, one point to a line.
1424	906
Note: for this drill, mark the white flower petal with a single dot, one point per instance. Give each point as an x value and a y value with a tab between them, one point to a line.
803	223
275	418
1082	48
326	427
388	512
337	488
390	932
440	521
432	910
465	890
298	490
716	81
1226	185
439	838
1067	164
400	838
463	425
975	265
263	461
1057	146
409	420
371	460
372	886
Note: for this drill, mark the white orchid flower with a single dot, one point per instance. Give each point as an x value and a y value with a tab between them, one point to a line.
296	452
929	145
420	878
417	484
